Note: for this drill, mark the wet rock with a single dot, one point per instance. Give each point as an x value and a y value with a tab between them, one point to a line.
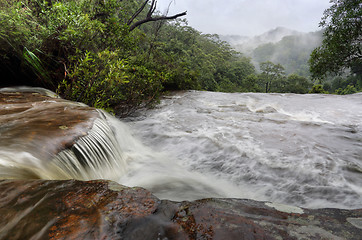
42	125
247	219
70	209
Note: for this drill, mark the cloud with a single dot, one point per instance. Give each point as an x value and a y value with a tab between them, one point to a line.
249	17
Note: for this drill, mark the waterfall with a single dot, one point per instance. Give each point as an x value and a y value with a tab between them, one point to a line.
110	151
94	156
97	155
51	138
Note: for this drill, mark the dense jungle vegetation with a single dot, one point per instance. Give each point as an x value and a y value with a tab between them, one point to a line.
122	54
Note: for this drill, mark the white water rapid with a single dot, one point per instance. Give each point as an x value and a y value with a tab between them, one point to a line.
302	150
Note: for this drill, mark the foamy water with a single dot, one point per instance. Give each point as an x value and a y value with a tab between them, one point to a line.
304	150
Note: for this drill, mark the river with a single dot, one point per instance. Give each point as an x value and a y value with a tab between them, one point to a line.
303	150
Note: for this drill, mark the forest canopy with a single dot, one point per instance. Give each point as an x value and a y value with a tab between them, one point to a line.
91	51
120	55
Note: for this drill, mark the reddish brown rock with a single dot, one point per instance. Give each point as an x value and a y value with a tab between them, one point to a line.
69	209
40	124
247	219
72	209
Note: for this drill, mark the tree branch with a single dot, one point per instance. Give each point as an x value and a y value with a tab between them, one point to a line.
152	19
152	8
149	17
137	13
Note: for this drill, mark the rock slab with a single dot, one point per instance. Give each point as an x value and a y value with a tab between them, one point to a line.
70	209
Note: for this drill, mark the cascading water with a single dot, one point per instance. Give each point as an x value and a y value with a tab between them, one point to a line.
303	150
94	156
107	151
110	151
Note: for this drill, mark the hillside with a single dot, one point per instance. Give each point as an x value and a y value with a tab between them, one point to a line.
247	44
284	46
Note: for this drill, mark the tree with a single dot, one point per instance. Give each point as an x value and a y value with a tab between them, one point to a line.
297	84
341	48
270	73
250	84
149	17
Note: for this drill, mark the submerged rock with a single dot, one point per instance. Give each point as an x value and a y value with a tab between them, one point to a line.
70	209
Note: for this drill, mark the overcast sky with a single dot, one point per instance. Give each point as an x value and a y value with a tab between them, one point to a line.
248	17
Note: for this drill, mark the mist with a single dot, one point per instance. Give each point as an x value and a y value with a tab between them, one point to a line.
248	17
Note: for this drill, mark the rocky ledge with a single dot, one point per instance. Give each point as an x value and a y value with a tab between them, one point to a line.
70	209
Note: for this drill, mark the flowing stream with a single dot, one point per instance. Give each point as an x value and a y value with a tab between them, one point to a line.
303	150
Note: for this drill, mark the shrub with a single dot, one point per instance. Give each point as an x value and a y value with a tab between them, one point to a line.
348	90
318	89
105	80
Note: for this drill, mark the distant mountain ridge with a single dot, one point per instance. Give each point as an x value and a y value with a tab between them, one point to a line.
287	47
271	36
